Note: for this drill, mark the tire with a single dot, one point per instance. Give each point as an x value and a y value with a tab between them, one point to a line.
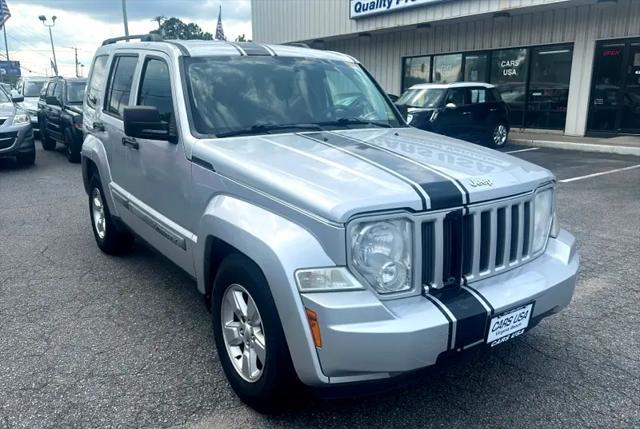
28	158
273	386
499	135
47	142
72	148
110	237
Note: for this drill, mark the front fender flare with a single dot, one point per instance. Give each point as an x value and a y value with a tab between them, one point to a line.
279	247
93	149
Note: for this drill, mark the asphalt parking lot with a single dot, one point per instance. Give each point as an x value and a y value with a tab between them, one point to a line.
88	340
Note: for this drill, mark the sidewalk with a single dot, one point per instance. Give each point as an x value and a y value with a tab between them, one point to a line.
621	145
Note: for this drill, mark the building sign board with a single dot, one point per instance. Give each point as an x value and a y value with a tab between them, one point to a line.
10	68
364	8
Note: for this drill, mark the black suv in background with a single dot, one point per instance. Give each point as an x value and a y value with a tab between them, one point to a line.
60	115
469	111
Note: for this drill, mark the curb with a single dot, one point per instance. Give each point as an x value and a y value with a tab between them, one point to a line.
583	147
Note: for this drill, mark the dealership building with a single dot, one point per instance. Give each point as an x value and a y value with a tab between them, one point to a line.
571	66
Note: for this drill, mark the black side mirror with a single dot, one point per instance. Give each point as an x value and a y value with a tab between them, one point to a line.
17	98
50	99
144	122
393	97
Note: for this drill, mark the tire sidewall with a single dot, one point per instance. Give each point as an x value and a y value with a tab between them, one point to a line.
493	130
265	393
93	184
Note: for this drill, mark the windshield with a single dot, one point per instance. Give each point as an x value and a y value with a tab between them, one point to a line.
422	98
32	88
4	97
252	95
75	92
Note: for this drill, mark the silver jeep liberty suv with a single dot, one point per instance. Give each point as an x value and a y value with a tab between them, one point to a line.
333	243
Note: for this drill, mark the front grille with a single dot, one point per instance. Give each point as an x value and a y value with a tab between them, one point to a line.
7	139
489	238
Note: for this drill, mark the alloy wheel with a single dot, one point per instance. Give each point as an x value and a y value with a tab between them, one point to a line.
97	213
500	135
243	333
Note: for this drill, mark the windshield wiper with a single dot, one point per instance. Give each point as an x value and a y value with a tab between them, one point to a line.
343	122
266	128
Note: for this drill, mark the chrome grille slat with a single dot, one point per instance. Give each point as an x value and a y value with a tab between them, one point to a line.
506	235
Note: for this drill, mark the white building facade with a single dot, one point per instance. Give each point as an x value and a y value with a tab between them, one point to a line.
572	66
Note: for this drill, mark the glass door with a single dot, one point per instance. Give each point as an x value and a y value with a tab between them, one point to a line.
630	115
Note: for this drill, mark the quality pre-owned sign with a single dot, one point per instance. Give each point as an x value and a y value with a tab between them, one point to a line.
362	8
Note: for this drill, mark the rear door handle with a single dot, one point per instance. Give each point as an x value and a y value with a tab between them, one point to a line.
131	142
492	110
466	113
98	126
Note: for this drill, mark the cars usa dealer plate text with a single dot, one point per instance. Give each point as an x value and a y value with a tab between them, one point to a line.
509	325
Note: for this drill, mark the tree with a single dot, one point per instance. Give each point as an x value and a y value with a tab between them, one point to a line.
173	28
242	38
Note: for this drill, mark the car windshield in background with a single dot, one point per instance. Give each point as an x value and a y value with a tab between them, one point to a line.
256	95
32	88
4	97
422	98
75	92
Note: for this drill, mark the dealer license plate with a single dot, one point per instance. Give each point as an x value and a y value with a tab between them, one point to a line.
509	325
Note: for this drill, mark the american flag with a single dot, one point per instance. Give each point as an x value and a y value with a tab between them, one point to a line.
4	12
219	30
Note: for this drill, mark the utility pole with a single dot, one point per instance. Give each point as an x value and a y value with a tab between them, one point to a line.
6	47
53	49
76	52
124	17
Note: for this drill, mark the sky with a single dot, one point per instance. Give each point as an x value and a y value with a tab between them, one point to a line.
84	24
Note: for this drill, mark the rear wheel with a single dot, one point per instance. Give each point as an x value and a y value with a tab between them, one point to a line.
249	337
47	142
499	135
110	237
72	148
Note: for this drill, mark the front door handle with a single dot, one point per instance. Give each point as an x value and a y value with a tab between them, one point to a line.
131	142
97	126
466	113
492	110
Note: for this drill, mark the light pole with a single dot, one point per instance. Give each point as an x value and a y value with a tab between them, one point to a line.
46	24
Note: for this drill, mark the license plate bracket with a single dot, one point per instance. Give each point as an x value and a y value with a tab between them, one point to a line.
509	324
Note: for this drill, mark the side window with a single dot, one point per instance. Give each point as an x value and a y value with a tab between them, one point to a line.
455	96
50	89
96	81
155	88
57	92
478	95
119	84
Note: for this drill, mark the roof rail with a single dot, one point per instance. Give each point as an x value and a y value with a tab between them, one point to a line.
151	37
297	44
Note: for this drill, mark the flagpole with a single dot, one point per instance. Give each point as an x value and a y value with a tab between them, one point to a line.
6	47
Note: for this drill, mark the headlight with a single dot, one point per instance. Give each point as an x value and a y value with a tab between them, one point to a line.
331	279
542	218
21	118
381	252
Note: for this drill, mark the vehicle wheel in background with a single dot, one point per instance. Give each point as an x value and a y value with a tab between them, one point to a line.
110	237
249	337
499	135
47	142
27	158
72	148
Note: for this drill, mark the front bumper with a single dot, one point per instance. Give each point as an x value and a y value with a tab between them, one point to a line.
364	338
16	139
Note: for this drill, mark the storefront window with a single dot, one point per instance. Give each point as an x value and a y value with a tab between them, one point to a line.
416	70
475	67
447	68
509	75
549	87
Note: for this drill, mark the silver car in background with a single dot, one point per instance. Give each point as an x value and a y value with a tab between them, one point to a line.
30	87
16	133
333	243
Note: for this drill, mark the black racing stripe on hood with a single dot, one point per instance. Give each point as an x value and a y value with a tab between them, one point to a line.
442	192
471	316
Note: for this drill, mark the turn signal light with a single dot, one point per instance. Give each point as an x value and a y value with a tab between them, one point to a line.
312	317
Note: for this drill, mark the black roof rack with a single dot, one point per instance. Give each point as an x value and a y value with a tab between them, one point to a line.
151	37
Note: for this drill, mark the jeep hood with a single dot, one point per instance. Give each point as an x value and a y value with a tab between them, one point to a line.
338	174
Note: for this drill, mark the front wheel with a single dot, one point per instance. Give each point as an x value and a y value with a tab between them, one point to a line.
111	238
499	135
249	338
72	148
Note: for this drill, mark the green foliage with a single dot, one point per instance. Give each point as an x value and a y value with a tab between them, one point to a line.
173	28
